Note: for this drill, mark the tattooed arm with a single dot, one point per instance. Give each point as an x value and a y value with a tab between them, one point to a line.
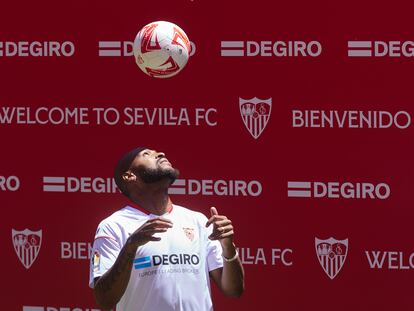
110	287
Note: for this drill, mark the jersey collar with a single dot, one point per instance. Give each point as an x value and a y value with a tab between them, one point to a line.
144	211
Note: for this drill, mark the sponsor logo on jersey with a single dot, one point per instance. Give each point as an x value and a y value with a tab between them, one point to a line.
27	245
255	114
331	254
142	262
165	260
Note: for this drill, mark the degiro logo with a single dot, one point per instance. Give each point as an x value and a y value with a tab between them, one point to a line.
165	260
123	48
37	48
216	187
343	190
271	48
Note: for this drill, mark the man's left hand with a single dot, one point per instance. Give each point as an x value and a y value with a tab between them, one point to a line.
222	228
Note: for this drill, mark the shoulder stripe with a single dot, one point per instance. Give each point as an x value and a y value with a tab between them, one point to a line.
105	237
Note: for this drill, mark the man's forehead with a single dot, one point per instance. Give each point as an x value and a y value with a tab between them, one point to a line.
147	150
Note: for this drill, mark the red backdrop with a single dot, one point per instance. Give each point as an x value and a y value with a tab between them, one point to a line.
344	172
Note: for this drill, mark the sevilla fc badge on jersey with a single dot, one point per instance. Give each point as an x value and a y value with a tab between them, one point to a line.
189	233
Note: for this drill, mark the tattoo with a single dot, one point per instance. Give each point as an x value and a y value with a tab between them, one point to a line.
106	282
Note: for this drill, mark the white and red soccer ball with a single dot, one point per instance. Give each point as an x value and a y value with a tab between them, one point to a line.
161	49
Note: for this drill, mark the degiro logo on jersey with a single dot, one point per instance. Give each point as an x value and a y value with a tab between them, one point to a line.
165	260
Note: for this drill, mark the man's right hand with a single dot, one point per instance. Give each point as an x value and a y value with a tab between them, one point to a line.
110	287
145	233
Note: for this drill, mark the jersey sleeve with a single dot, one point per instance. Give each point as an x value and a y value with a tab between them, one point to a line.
105	251
214	250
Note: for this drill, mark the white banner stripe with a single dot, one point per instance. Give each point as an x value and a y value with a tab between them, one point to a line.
255	127
232	53
50	179
109	44
178	182
326	264
109	53
299	194
33	308
53	188
232	44
359	44
24	257
360	53
299	184
176	191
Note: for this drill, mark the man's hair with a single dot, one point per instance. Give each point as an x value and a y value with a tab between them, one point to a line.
123	165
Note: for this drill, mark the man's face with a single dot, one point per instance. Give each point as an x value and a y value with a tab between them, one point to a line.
152	166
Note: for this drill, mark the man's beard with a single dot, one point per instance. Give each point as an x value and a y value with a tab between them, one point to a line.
149	175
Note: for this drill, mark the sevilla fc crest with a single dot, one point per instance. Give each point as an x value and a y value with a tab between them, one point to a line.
331	255
255	114
27	245
189	233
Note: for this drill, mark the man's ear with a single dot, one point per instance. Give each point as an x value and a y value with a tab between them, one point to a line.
128	176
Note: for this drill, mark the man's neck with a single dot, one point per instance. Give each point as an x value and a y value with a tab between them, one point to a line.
155	201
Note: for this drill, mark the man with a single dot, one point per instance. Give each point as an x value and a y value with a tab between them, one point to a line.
155	255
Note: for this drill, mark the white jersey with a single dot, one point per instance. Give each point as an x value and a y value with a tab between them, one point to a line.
171	274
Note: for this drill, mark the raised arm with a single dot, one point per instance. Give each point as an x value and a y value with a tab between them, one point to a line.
110	287
230	279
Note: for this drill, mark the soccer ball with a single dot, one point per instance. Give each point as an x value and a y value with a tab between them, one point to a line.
161	49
